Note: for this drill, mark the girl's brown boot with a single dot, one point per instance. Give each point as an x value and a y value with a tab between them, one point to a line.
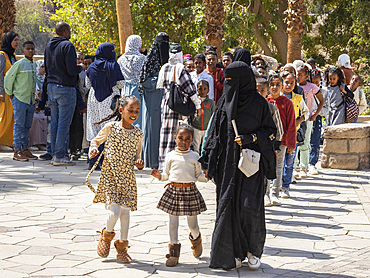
122	255
196	245
174	254
104	243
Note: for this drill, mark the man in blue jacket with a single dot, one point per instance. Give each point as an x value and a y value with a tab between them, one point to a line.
61	77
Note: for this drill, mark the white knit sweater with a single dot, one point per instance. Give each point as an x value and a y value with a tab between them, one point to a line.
182	167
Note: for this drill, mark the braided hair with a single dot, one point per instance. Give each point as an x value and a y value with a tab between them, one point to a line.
337	71
184	126
307	70
121	102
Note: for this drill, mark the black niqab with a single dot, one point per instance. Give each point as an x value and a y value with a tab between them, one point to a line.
243	55
6	45
239	85
162	40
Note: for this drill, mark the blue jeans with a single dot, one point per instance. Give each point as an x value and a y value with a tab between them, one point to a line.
288	168
315	141
23	116
62	101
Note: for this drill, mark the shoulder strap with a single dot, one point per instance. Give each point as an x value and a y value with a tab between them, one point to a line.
91	171
174	75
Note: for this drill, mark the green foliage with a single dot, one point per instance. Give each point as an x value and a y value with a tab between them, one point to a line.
32	17
92	22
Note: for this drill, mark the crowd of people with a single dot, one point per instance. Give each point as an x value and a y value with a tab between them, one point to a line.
119	113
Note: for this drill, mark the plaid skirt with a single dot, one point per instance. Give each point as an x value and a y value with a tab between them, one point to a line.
182	201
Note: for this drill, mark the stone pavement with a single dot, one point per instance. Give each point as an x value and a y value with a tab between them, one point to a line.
48	227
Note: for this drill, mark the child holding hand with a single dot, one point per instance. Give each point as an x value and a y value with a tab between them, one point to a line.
117	185
182	197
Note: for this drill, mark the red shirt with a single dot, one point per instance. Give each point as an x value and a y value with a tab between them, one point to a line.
218	81
287	116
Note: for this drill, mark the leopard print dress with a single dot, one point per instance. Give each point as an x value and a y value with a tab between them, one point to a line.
117	182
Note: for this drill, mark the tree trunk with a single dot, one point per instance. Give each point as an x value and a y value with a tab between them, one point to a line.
7	17
215	17
295	28
294	47
124	22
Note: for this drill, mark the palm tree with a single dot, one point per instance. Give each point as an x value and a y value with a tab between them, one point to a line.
295	28
124	22
7	17
215	17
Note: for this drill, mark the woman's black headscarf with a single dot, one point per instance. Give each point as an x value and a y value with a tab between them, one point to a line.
6	45
158	55
243	55
239	85
104	72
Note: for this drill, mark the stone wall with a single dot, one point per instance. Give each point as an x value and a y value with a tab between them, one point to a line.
347	146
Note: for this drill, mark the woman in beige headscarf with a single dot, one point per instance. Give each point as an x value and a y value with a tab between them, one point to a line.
345	65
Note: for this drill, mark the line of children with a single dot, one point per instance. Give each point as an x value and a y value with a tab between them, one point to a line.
288	145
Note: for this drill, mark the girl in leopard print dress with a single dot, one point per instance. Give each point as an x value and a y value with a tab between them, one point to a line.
117	184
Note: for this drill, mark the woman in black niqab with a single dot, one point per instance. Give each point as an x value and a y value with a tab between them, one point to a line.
243	55
240	219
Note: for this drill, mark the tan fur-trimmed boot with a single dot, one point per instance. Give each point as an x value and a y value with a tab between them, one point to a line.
104	243
196	245
174	254
122	255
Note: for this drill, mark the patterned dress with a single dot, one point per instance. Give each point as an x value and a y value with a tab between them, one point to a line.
170	119
117	182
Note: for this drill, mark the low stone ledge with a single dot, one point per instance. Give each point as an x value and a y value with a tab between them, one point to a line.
347	147
351	131
362	119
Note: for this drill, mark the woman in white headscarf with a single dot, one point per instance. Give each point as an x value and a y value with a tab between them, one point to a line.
344	62
131	63
170	119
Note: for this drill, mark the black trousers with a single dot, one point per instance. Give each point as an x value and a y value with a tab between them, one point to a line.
76	132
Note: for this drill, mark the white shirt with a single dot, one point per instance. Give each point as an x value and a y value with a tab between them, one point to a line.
204	76
182	167
360	99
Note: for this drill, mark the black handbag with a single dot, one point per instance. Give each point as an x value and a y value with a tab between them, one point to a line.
178	101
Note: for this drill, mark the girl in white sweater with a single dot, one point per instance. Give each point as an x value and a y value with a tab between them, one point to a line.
182	197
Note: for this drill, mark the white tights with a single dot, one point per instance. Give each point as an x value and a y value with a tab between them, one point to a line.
174	228
122	212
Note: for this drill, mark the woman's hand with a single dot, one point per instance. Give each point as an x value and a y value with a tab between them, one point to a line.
94	152
156	174
139	164
199	112
238	140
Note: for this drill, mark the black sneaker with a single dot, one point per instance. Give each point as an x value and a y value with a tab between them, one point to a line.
74	157
46	156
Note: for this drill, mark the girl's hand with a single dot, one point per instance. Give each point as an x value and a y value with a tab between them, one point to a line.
199	112
139	164
238	140
290	150
312	118
156	174
2	98
94	152
205	172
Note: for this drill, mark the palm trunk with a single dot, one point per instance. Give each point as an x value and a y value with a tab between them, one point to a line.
124	22
215	17
7	17
295	28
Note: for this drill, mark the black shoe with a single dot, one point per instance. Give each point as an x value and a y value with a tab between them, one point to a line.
46	156
74	157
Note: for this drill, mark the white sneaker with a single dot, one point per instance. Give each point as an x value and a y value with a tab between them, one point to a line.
267	201
294	181
4	148
303	174
312	170
285	194
33	148
275	201
253	261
